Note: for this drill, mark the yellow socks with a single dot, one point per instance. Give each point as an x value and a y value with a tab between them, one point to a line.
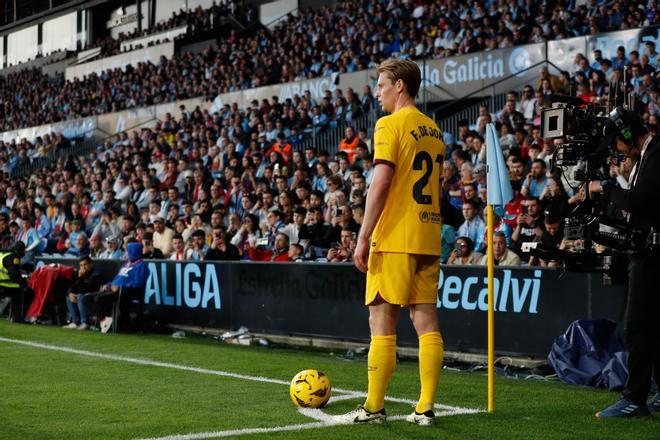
381	361
431	352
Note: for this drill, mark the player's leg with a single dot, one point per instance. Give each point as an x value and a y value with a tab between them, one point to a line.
388	285
424	316
382	352
431	353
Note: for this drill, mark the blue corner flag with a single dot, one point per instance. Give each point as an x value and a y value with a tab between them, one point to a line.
499	186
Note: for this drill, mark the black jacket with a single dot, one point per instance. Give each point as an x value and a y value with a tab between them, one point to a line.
90	282
156	254
231	254
641	200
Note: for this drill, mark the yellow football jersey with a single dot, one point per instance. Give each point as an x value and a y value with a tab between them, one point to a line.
411	143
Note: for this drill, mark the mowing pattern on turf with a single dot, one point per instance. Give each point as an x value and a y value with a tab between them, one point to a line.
323	420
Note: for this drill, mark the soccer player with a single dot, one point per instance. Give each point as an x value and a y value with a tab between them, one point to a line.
399	244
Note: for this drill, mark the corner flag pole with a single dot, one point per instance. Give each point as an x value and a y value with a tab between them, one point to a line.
499	193
491	314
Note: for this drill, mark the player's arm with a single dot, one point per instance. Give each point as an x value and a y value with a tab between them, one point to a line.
376	197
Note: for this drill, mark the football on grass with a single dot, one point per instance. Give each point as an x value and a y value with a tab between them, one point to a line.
310	389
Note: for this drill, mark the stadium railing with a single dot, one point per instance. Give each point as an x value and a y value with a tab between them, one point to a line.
471	111
328	139
77	148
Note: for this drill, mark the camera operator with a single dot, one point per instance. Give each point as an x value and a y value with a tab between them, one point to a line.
643	307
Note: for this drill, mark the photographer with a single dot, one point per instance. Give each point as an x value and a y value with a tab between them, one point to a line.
640	326
464	252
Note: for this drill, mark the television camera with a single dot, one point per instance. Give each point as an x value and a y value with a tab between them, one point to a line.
587	137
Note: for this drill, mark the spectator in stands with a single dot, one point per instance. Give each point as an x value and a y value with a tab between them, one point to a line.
448	240
553	80
112	250
536	180
498	226
220	249
474	226
501	255
163	236
343	250
619	61
349	144
530	223
149	252
29	236
281	147
527	104
197	249
292	230
483	119
509	115
316	230
296	252
81	248
86	280
464	253
554	198
551	239
96	247
279	252
178	249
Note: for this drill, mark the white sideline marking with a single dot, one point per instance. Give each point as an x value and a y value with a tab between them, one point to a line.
246	431
323	419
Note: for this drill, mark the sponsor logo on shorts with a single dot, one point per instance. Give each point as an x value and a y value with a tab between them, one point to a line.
432	217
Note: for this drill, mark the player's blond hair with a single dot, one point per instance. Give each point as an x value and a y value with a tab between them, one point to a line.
404	70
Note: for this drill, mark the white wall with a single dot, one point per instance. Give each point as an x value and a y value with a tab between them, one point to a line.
59	33
165	8
268	12
22	45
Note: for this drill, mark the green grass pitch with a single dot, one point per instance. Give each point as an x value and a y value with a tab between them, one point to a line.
49	394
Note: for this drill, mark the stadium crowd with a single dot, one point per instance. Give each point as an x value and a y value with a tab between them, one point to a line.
197	20
298	48
236	185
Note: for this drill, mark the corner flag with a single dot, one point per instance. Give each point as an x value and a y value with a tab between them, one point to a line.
499	186
499	193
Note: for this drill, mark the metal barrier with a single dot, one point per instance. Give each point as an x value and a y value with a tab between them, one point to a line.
77	148
328	138
470	113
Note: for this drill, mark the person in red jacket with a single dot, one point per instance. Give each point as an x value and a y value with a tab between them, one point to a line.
349	144
281	146
279	253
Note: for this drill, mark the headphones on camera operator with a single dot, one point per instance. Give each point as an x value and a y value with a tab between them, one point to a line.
627	126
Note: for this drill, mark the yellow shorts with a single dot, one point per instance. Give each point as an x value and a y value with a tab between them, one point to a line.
403	278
